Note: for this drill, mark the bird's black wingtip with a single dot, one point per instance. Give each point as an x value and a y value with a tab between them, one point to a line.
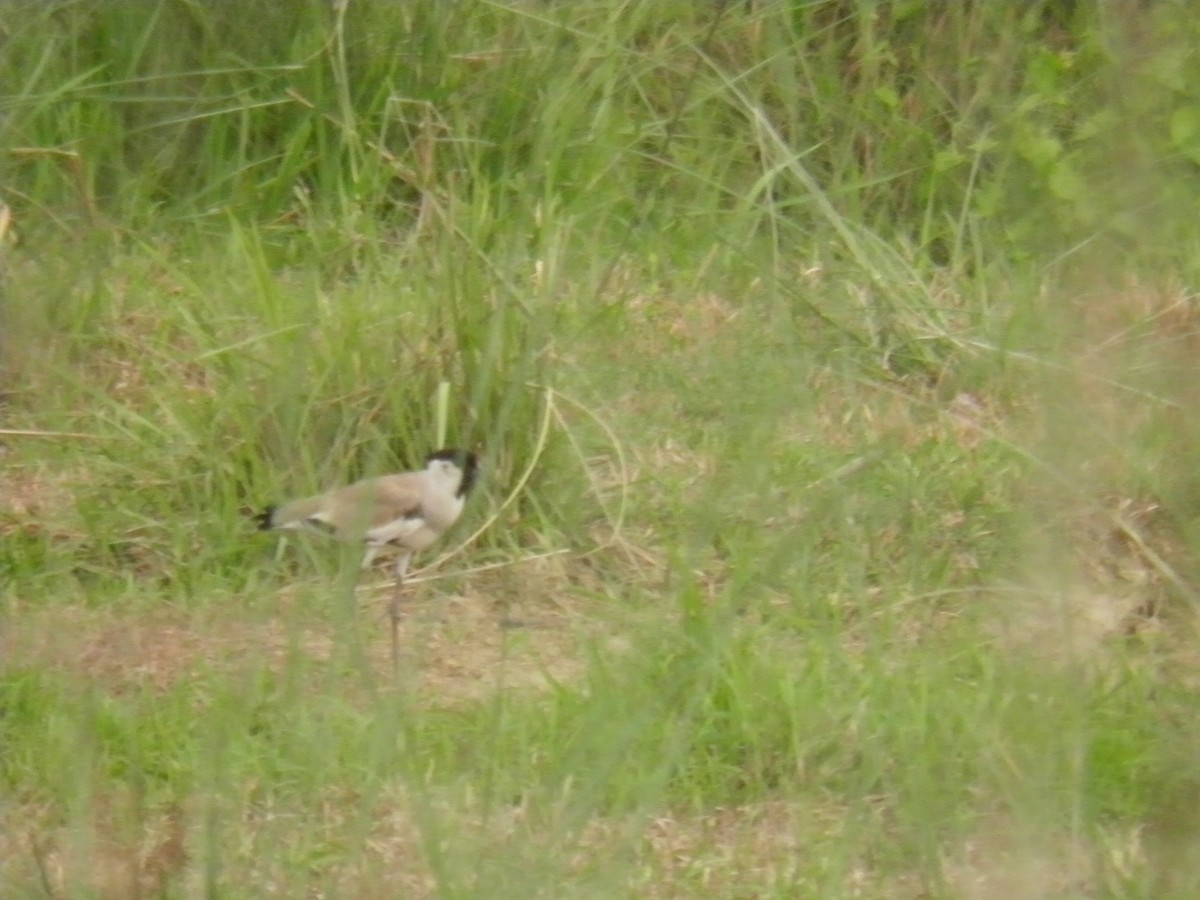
265	519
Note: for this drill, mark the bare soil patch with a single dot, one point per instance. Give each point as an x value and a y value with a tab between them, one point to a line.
458	646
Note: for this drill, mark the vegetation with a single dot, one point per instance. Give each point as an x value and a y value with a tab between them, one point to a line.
833	362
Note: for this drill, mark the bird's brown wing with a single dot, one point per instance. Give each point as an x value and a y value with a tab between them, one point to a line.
383	500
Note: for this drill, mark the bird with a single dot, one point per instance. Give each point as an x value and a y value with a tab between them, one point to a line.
403	513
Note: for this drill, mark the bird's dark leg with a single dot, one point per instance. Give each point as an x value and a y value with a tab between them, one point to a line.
394	609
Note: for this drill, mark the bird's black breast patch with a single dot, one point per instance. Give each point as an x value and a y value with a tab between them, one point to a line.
409	515
320	525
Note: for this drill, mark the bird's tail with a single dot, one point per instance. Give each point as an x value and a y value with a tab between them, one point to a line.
266	519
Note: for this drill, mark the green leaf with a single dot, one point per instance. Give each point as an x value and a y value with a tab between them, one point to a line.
1185	131
1066	183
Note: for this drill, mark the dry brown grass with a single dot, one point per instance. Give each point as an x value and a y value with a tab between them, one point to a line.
460	646
33	495
1105	560
122	850
1002	861
1105	587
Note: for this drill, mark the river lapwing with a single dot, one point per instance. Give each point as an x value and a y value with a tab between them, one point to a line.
401	513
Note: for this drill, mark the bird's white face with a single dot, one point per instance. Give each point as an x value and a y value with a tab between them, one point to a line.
451	470
445	468
445	471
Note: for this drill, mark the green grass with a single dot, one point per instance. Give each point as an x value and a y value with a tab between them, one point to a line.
832	366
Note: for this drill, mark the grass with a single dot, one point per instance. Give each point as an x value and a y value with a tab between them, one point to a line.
832	367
